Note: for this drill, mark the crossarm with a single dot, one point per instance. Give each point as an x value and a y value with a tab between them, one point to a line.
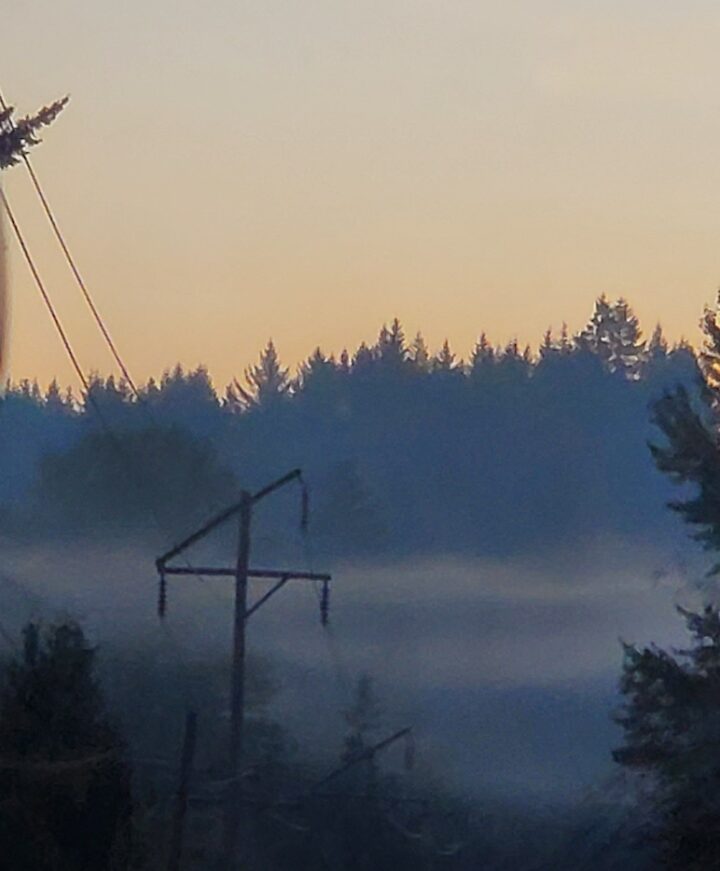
270	574
224	515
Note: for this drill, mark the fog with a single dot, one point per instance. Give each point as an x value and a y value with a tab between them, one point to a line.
506	669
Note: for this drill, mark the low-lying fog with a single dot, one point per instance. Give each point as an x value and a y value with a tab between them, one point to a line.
507	669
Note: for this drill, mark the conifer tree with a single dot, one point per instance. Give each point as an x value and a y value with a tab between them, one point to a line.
444	360
55	402
548	347
419	355
362	719
690	452
17	137
670	720
267	383
65	800
390	348
613	334
344	364
362	359
657	346
317	372
671	715
513	365
482	358
565	345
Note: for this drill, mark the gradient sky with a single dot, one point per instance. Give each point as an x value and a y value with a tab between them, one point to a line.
307	169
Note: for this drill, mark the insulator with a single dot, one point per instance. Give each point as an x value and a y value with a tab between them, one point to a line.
162	596
325	604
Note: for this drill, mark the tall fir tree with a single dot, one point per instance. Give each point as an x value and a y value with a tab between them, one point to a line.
65	801
419	355
613	334
266	383
670	717
444	360
390	348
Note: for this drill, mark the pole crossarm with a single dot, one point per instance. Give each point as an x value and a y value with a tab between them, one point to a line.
270	574
226	514
281	576
362	757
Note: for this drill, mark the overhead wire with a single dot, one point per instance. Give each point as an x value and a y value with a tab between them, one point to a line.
84	382
339	669
72	264
90	397
45	295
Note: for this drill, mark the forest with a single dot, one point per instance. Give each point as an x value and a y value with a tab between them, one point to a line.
409	454
407	451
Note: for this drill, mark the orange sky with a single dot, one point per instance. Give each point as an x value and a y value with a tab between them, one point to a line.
307	170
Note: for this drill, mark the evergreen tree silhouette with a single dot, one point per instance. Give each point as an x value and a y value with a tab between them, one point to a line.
267	383
418	355
65	789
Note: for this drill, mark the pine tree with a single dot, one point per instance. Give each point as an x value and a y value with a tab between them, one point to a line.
17	137
710	354
267	383
657	346
444	360
565	345
482	358
347	517
317	372
626	341
390	348
671	716
363	719
65	790
613	334
419	355
54	400
512	365
363	359
548	348
670	719
690	453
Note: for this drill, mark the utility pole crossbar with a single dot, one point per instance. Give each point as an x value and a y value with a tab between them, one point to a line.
242	573
365	755
226	514
270	574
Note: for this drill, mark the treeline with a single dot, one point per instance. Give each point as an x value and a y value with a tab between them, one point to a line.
405	449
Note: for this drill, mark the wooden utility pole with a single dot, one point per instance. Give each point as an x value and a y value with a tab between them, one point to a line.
237	709
181	798
242	612
233	808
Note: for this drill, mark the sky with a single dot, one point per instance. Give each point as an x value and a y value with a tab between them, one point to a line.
246	169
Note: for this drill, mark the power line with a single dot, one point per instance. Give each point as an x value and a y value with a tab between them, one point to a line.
73	266
45	295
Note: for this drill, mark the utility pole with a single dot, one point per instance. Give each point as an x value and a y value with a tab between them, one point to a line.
242	612
181	798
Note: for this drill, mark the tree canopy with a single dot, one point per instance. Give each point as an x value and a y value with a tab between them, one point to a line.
18	136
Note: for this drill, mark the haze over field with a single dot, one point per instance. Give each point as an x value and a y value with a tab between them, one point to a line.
507	669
